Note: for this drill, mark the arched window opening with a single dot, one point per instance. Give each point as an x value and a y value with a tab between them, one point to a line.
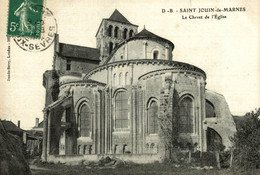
120	79
85	121
210	110
116	45
121	111
116	32
110	29
153	118
127	78
115	148
90	149
85	149
68	65
214	140
124	148
110	47
155	54
114	79
79	149
186	115
125	33
131	33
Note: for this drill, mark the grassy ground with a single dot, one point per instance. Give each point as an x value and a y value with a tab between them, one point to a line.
156	168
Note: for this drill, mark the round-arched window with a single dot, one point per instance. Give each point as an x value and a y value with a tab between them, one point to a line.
153	117
186	115
85	121
121	110
155	54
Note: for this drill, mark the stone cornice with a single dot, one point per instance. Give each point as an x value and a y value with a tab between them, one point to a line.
174	70
81	83
178	66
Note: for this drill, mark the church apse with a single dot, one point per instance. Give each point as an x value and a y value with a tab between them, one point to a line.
112	98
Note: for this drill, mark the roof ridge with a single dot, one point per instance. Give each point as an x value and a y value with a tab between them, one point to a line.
78	45
117	16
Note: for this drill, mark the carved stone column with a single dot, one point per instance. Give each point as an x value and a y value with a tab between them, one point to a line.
48	134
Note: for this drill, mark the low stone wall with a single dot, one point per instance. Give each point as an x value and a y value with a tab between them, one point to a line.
138	158
77	159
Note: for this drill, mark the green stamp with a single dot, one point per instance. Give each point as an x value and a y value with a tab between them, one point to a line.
25	18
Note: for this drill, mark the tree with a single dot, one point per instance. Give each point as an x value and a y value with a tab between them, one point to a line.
247	141
169	121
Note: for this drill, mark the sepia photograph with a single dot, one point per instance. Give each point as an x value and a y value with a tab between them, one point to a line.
130	87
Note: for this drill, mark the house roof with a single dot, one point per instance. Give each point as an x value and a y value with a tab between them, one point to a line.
74	51
117	16
58	102
40	124
89	81
10	126
147	34
94	81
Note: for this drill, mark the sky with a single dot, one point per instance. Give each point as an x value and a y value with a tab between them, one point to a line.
226	49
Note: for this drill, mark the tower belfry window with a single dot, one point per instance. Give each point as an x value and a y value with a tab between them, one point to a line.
125	34
68	65
116	32
131	33
110	29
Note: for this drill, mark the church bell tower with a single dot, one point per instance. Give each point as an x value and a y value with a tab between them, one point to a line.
113	31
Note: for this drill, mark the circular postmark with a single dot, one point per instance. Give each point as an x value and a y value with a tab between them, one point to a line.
46	28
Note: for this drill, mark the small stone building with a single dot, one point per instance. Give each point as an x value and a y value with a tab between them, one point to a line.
112	99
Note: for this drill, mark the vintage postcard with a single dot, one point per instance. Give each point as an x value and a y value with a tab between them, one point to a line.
113	82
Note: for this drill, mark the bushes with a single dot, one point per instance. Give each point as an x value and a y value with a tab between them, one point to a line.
247	141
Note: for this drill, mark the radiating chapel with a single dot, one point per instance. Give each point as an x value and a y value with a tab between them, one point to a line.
113	99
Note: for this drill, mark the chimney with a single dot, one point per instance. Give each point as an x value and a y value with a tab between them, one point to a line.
37	122
18	124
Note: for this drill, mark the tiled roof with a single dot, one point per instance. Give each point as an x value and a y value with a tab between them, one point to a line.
57	102
147	34
90	81
74	51
10	126
94	81
117	16
41	124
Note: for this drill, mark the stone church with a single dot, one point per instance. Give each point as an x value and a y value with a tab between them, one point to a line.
113	99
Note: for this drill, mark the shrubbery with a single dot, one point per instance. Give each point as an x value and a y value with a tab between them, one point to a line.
247	141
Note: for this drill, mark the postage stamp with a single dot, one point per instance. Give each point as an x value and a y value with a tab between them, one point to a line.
48	29
24	18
